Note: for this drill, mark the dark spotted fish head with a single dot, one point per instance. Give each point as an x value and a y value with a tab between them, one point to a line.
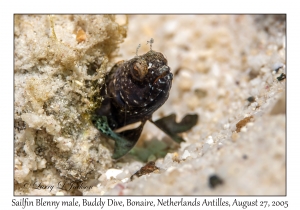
142	84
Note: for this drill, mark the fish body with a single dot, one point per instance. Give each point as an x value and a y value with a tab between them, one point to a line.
132	92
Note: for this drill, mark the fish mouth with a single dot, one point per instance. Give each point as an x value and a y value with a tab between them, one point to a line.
163	72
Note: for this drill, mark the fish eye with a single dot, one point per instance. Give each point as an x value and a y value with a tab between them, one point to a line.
139	70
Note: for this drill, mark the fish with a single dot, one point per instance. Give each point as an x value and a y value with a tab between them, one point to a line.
133	90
